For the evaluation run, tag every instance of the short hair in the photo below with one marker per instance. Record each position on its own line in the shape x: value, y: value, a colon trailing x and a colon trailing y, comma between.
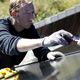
x: 14, y: 4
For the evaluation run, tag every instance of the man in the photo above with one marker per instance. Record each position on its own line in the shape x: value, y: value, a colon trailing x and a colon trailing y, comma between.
x: 18, y: 35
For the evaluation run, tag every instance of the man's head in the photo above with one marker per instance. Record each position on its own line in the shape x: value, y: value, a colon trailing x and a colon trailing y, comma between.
x: 22, y: 11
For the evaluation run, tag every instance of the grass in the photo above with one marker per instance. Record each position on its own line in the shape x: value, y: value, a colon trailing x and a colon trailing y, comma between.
x: 47, y: 8
x: 43, y: 8
x: 4, y: 8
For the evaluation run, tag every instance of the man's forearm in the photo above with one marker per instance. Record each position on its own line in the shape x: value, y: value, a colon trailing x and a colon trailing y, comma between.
x: 28, y: 44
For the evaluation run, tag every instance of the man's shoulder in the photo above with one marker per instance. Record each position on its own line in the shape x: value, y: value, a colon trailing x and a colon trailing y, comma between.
x: 4, y: 24
x: 4, y: 21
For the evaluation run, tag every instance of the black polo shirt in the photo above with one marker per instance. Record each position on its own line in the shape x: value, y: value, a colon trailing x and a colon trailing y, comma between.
x: 9, y: 55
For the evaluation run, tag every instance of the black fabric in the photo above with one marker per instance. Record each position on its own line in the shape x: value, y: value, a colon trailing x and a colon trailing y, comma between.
x: 9, y: 55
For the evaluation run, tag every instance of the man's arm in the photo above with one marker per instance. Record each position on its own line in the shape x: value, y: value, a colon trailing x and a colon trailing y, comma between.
x: 28, y: 44
x: 12, y: 45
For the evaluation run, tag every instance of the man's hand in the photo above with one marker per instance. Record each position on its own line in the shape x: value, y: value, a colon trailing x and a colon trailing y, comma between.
x: 60, y: 37
x: 56, y: 57
x: 78, y: 42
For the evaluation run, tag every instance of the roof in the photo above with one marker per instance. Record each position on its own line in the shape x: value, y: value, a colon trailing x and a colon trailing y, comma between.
x: 61, y: 15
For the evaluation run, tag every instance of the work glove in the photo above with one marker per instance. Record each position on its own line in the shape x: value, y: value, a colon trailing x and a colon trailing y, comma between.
x: 76, y: 39
x: 56, y: 57
x: 78, y: 42
x: 60, y: 37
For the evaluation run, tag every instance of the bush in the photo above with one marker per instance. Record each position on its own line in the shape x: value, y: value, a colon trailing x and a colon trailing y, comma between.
x: 43, y: 8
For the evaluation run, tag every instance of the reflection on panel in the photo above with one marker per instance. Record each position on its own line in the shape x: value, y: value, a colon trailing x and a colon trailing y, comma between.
x: 68, y: 70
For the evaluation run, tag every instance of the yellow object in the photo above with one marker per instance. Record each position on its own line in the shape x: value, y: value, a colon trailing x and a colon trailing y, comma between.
x: 8, y: 74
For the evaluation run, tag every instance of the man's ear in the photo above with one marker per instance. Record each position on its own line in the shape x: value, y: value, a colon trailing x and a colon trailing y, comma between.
x: 13, y: 13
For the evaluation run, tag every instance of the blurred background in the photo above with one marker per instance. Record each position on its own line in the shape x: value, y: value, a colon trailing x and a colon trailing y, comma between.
x: 43, y: 8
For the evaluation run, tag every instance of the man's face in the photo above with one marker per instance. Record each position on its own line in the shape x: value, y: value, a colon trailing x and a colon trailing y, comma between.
x: 25, y: 15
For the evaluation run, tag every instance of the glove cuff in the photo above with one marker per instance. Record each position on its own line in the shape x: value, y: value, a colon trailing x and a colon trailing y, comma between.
x: 48, y: 42
x: 43, y: 44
